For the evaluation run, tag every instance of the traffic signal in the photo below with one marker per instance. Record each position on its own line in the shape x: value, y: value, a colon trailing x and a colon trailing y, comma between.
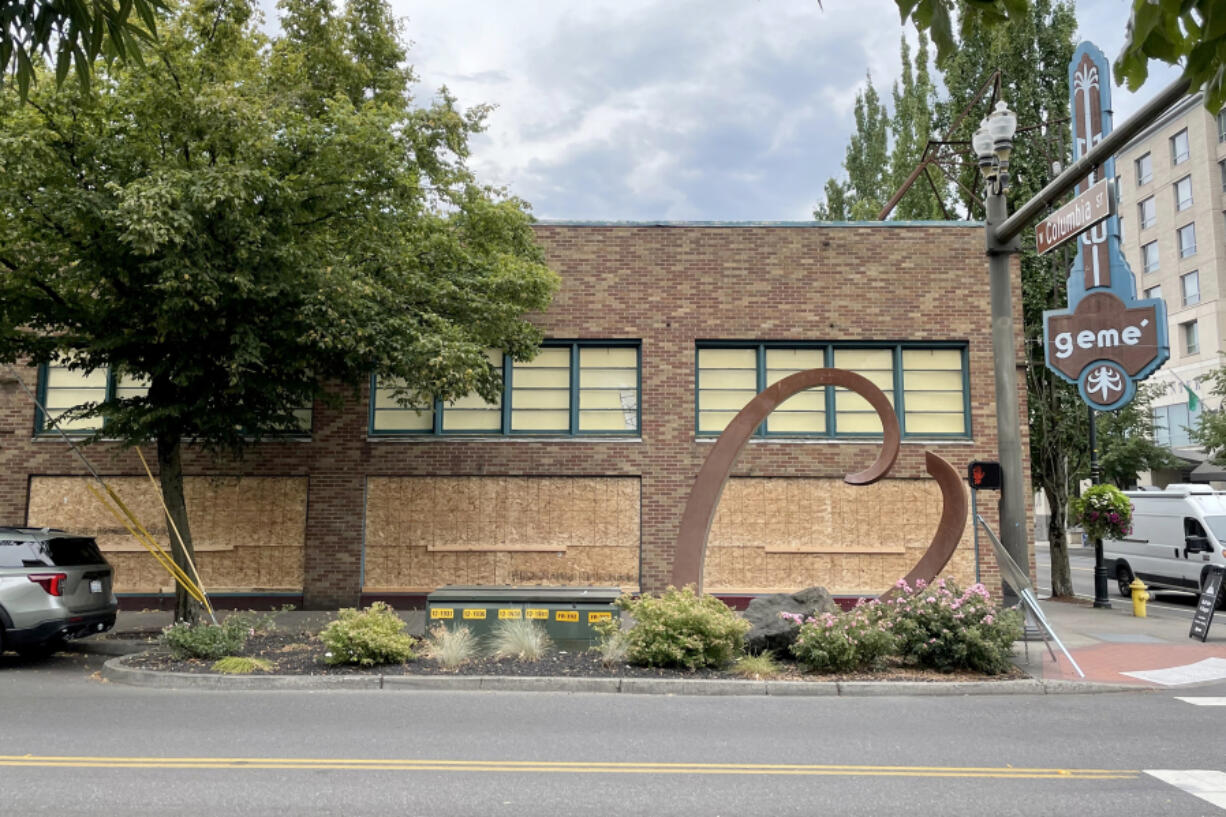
x: 984, y: 475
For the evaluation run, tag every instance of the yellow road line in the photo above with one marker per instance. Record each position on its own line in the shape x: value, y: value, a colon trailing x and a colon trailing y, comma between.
x: 555, y: 767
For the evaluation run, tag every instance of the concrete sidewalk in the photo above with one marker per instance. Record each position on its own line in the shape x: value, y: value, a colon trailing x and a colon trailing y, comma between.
x: 1109, y: 643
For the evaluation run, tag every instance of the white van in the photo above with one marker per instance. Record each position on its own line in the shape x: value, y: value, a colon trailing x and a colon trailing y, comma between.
x: 1177, y: 534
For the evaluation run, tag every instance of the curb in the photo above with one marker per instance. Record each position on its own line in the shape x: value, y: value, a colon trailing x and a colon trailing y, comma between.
x: 116, y: 671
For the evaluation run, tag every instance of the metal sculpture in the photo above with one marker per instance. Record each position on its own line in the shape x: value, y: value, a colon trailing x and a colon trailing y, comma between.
x: 709, y: 484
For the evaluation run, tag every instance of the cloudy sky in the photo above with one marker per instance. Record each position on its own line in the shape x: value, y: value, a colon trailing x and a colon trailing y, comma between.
x: 722, y: 110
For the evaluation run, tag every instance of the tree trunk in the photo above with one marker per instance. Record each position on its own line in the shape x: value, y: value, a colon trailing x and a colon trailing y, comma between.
x: 1061, y: 577
x: 170, y: 471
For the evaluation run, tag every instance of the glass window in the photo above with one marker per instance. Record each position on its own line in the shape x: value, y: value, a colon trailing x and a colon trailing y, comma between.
x: 1183, y: 193
x: 1187, y: 240
x: 1145, y: 169
x: 1171, y: 424
x: 1221, y: 125
x: 1147, y: 213
x: 568, y: 388
x: 64, y: 388
x: 933, y: 398
x: 1221, y: 166
x: 1191, y: 338
x: 1179, y: 147
x: 1190, y: 287
x: 1154, y: 292
x: 1149, y: 256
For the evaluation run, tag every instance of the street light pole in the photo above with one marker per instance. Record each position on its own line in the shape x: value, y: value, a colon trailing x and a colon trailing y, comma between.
x: 993, y: 144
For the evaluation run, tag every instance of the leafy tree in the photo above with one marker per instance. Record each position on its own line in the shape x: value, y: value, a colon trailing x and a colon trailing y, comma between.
x: 1191, y: 31
x: 247, y: 225
x: 1210, y: 429
x: 912, y: 125
x: 72, y: 34
x: 1126, y: 439
x: 867, y: 185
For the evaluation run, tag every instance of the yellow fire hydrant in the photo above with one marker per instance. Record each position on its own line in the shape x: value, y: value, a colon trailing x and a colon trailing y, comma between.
x: 1139, y: 597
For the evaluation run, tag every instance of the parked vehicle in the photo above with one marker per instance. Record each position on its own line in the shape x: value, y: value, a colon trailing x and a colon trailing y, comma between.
x: 53, y: 586
x: 1178, y: 533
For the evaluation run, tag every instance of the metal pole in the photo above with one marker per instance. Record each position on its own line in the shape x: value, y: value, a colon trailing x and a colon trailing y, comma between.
x: 1100, y: 569
x: 1008, y: 423
x: 975, y: 516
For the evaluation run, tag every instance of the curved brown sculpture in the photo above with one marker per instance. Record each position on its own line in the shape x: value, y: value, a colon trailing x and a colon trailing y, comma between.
x: 709, y: 484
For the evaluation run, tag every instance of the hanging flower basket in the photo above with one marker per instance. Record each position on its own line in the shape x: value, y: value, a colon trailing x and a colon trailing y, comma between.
x: 1104, y: 512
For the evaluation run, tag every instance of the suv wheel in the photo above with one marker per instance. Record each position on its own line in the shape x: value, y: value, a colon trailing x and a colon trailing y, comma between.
x: 43, y: 649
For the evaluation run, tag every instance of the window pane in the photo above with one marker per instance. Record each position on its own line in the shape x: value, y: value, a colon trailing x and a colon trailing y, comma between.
x: 1154, y: 292
x: 1144, y: 169
x: 68, y: 388
x: 933, y: 391
x: 1183, y: 193
x: 1148, y: 212
x: 1187, y: 240
x: 1179, y: 147
x: 803, y: 413
x: 390, y: 415
x: 1190, y: 284
x: 1191, y: 338
x: 608, y: 389
x: 1149, y: 256
x: 540, y: 391
x: 727, y: 380
x: 852, y: 412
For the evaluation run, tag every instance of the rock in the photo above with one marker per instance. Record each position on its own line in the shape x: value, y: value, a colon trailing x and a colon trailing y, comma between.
x: 769, y: 631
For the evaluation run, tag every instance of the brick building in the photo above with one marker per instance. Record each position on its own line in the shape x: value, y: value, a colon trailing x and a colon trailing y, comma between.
x: 658, y: 335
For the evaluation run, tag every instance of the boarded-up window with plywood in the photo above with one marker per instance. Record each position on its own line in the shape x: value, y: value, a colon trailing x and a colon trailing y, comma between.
x: 608, y: 388
x: 852, y: 413
x: 727, y: 380
x: 934, y: 391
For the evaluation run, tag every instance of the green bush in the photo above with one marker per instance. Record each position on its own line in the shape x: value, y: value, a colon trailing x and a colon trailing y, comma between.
x: 205, y: 639
x: 940, y: 627
x: 682, y: 629
x: 858, y: 639
x: 240, y: 665
x: 373, y: 636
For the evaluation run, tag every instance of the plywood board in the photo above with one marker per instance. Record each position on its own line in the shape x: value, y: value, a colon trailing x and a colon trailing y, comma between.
x: 783, y: 534
x: 249, y: 532
x: 425, y: 532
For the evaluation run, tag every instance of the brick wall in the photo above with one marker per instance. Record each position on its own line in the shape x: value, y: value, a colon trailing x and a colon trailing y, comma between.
x: 667, y: 286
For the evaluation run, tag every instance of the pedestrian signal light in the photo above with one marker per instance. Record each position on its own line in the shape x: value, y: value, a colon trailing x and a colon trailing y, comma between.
x: 984, y: 476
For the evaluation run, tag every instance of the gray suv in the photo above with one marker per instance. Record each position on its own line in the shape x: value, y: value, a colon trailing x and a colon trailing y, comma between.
x: 53, y: 586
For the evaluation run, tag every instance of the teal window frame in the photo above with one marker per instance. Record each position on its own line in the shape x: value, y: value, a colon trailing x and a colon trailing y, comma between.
x: 506, y: 403
x: 829, y: 348
x: 41, y: 428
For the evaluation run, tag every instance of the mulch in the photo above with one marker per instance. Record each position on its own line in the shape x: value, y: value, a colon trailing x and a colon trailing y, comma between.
x: 303, y: 654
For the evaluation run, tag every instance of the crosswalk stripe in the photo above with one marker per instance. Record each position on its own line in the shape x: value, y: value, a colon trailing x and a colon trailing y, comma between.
x: 1208, y: 785
x: 1203, y: 701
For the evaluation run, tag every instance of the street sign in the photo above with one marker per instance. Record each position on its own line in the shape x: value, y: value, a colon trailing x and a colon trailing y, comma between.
x: 1107, y: 340
x: 984, y: 476
x: 1203, y: 616
x: 1080, y: 214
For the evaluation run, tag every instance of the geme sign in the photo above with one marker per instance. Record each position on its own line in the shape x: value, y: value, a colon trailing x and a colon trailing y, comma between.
x: 1102, y: 327
x: 1080, y: 214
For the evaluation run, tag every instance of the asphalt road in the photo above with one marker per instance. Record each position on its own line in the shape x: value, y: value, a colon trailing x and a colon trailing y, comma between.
x: 1081, y: 566
x: 71, y: 744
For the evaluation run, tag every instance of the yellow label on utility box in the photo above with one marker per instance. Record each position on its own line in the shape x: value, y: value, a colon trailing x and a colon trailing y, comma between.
x: 502, y: 614
x: 474, y: 613
x: 567, y: 615
x: 442, y: 612
x: 539, y: 613
x: 599, y: 617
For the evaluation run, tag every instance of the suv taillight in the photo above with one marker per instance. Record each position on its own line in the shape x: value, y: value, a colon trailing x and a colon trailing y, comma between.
x: 51, y: 582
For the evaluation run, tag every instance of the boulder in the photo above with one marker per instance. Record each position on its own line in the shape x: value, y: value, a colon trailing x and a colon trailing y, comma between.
x: 769, y: 631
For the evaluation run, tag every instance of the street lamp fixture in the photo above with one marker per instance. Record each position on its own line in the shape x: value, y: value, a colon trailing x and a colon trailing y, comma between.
x: 993, y: 144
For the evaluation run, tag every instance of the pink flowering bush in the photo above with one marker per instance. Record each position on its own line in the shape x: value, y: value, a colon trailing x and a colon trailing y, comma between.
x: 1104, y: 512
x: 860, y: 638
x: 940, y: 627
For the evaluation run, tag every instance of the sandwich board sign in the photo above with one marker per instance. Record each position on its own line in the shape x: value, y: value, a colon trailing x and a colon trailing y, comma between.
x: 1107, y: 340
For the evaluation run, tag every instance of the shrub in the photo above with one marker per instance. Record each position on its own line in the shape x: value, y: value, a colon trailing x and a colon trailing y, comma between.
x: 373, y: 636
x: 239, y: 665
x: 682, y: 629
x: 860, y: 638
x: 520, y: 639
x: 451, y: 648
x: 943, y: 628
x: 205, y: 639
x: 1104, y: 512
x: 613, y: 646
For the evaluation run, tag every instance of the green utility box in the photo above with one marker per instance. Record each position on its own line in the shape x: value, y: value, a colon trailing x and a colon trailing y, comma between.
x: 567, y: 613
